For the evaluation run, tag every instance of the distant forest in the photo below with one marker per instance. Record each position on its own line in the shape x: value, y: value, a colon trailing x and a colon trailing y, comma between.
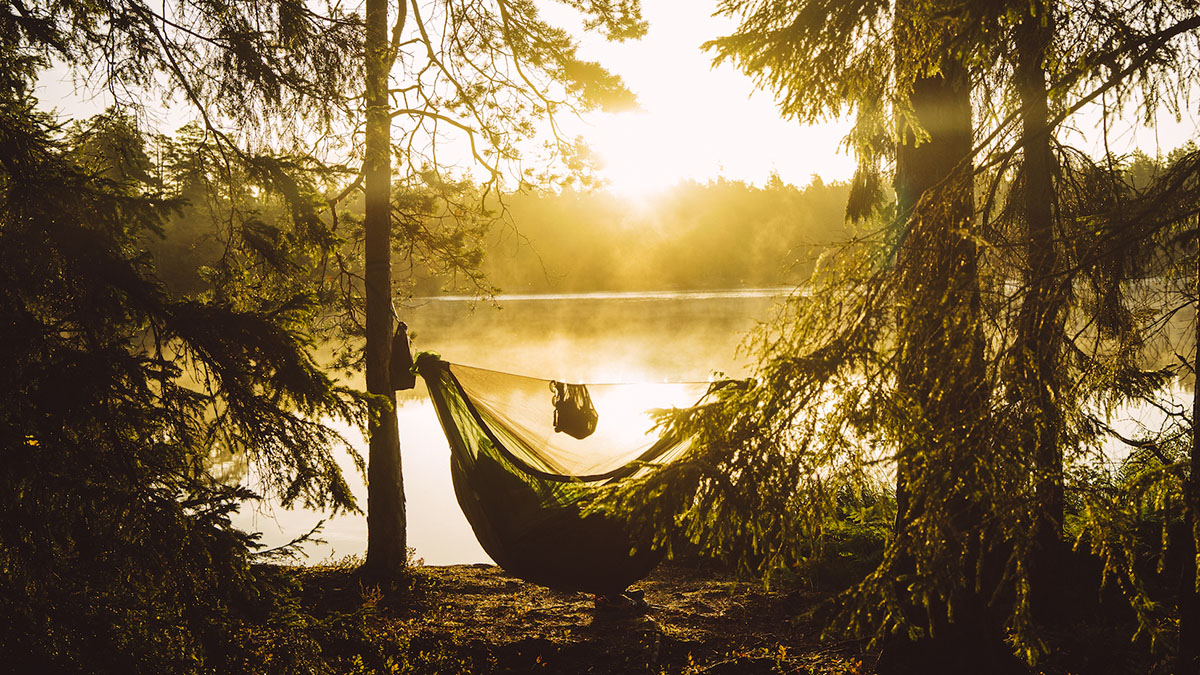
x: 719, y: 234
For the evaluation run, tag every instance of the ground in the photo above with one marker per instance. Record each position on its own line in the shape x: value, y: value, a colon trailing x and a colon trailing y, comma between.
x: 474, y: 618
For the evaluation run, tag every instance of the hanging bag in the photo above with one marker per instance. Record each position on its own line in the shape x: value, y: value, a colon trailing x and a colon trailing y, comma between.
x: 574, y: 413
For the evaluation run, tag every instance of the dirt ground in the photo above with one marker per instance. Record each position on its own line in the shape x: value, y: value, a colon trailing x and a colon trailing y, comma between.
x: 474, y: 618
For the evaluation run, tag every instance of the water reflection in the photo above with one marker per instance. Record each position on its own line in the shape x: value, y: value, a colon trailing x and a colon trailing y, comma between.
x: 612, y: 338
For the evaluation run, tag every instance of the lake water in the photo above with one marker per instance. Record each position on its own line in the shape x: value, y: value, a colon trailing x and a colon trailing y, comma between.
x: 604, y: 337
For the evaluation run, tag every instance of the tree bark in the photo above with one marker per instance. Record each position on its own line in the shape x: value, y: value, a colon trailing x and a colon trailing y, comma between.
x: 387, y: 545
x: 941, y: 372
x: 941, y: 362
x: 1188, y: 657
x: 1038, y: 343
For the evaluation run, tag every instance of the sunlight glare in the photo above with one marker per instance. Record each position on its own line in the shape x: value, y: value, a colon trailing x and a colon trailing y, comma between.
x: 641, y: 156
x: 644, y: 154
x: 696, y: 122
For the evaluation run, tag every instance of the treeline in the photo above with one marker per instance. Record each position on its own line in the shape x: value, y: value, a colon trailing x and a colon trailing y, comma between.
x: 720, y: 234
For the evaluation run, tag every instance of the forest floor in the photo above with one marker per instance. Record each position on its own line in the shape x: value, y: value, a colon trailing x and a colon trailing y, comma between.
x: 474, y: 618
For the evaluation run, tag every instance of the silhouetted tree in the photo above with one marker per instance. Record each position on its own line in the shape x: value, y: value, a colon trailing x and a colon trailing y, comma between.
x: 903, y: 348
x: 116, y: 548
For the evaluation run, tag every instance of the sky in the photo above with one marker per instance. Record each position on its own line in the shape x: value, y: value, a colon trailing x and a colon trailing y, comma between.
x: 698, y: 122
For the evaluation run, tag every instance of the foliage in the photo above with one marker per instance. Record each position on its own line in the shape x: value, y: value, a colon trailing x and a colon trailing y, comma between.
x: 465, y: 93
x: 476, y: 88
x: 828, y: 412
x: 116, y: 549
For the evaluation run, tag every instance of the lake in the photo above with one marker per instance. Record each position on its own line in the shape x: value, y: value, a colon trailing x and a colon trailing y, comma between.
x: 598, y: 337
x: 595, y: 337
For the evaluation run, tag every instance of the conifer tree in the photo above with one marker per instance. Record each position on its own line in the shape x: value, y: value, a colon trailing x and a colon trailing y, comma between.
x: 117, y: 553
x: 894, y: 354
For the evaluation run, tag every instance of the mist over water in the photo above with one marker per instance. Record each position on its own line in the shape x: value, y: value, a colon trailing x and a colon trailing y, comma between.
x: 593, y: 338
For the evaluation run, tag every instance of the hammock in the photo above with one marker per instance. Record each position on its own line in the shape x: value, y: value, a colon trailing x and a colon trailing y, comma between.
x: 526, y: 456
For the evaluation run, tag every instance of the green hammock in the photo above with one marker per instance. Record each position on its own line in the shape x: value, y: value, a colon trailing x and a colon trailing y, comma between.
x: 526, y: 456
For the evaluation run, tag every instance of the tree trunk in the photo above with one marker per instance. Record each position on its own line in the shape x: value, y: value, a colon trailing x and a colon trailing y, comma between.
x: 387, y: 545
x: 1188, y: 660
x: 1038, y: 343
x: 941, y: 360
x: 941, y: 372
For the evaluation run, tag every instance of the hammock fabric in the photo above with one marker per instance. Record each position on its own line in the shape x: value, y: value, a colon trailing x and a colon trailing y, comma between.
x: 522, y: 479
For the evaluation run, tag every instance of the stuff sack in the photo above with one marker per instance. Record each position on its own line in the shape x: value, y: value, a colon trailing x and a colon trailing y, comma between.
x: 574, y: 413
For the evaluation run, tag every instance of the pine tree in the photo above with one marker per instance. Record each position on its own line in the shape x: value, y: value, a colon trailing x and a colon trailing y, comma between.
x: 116, y: 547
x: 936, y: 338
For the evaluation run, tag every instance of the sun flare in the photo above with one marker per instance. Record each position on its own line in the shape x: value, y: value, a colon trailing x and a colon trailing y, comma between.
x: 643, y: 153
